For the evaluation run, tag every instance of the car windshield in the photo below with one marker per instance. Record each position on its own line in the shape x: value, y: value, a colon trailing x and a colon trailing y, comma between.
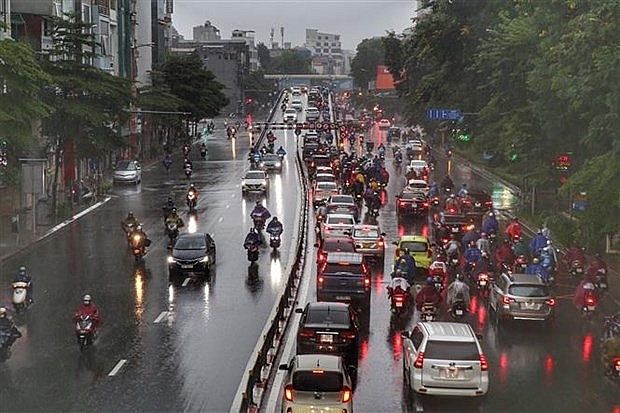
x: 317, y: 381
x: 366, y: 233
x: 334, y: 268
x: 254, y: 175
x: 414, y: 246
x: 530, y: 291
x: 190, y: 243
x: 327, y: 316
x: 451, y: 350
x: 412, y: 195
x: 326, y: 186
x: 348, y: 220
x: 338, y: 246
x: 126, y: 166
x: 342, y: 200
x: 271, y: 157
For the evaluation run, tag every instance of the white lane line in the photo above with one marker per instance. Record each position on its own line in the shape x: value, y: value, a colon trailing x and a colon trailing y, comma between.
x: 185, y: 282
x: 118, y: 366
x: 220, y: 220
x: 160, y: 317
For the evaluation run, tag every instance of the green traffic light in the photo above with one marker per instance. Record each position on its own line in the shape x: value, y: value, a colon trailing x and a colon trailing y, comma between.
x: 514, y: 156
x: 465, y: 137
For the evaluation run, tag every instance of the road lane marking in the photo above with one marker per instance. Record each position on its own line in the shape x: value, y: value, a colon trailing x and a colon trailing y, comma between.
x: 160, y: 317
x: 118, y: 366
x: 220, y: 220
x: 185, y: 282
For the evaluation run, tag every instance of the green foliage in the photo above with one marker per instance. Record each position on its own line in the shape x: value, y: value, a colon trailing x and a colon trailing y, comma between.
x: 291, y: 62
x: 264, y: 57
x: 370, y: 53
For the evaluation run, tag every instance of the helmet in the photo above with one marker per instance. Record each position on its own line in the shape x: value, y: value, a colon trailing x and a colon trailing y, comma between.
x: 464, y: 185
x: 174, y: 210
x: 274, y: 219
x: 484, y: 254
x: 139, y: 227
x: 452, y: 196
x: 535, y: 260
x: 3, y: 312
x: 86, y: 299
x: 170, y: 199
x: 406, y: 250
x: 483, y: 234
x: 130, y: 214
x: 472, y: 243
x: 258, y: 203
x: 429, y: 280
x: 459, y: 276
x: 22, y: 270
x: 491, y: 214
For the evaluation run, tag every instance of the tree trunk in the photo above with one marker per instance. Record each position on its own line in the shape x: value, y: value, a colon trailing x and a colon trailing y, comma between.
x: 58, y: 154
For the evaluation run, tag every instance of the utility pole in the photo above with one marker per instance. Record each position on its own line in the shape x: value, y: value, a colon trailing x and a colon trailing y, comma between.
x: 133, y: 141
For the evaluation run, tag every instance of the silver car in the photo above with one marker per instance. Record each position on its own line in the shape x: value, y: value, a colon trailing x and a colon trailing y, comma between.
x: 317, y: 383
x: 128, y: 171
x: 271, y: 162
x: 370, y: 241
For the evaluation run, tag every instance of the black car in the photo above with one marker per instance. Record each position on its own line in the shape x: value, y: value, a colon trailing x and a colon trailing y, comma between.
x: 450, y: 224
x: 477, y: 201
x: 329, y: 328
x: 193, y: 253
x: 412, y: 203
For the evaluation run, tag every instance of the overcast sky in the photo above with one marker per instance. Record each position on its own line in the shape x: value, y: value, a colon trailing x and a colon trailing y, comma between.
x: 354, y: 20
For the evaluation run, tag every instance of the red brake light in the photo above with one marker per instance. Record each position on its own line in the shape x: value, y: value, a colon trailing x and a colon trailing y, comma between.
x: 484, y: 364
x: 321, y: 280
x: 616, y: 361
x: 397, y: 252
x: 380, y: 243
x: 348, y: 335
x: 402, y: 203
x: 288, y: 392
x: 346, y: 394
x: 366, y: 282
x: 590, y: 300
x: 419, y: 361
x: 506, y: 299
x: 305, y: 333
x: 399, y: 298
x: 483, y: 276
x: 550, y: 301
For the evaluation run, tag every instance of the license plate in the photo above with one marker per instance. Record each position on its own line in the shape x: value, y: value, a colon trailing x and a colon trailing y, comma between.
x: 603, y: 285
x: 591, y: 308
x: 617, y: 367
x: 327, y: 338
x: 399, y: 304
x: 450, y: 373
x: 477, y: 204
x: 455, y: 230
x: 483, y: 283
x: 343, y: 297
x: 367, y: 245
x: 459, y: 312
x: 579, y: 270
x: 530, y: 306
x: 187, y: 266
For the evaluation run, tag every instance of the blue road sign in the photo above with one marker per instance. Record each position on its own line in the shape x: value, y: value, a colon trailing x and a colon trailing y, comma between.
x: 443, y: 114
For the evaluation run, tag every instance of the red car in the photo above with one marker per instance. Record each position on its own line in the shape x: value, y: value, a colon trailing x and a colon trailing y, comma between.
x: 333, y: 244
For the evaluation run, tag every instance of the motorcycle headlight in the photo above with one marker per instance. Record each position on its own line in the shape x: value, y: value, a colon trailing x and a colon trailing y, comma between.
x: 278, y: 164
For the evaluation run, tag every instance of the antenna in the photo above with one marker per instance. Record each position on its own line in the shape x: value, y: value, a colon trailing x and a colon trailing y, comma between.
x: 271, y: 36
x: 282, y: 35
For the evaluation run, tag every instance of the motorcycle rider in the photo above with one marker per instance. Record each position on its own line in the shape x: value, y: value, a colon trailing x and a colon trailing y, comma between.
x: 490, y: 224
x: 504, y: 255
x: 253, y: 238
x: 453, y: 248
x: 585, y: 286
x: 88, y: 308
x: 483, y: 244
x: 470, y: 235
x: 129, y: 223
x: 457, y: 289
x: 433, y: 190
x: 398, y: 285
x: 472, y: 255
x: 428, y: 294
x: 281, y: 152
x: 536, y: 268
x: 575, y: 253
x: 23, y: 276
x: 374, y: 203
x: 173, y: 218
x: 519, y: 247
x: 463, y: 192
x: 145, y: 241
x: 190, y: 190
x: 275, y: 227
x: 596, y: 265
x: 537, y: 243
x: 8, y: 326
x: 610, y: 350
x: 260, y: 211
x: 447, y: 182
x: 514, y: 230
x: 407, y: 264
x: 168, y: 207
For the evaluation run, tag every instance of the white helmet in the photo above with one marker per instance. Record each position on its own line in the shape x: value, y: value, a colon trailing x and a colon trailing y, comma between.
x: 86, y: 298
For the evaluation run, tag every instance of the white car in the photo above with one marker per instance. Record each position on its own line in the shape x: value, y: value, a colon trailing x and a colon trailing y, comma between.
x: 444, y: 359
x: 290, y: 115
x: 312, y: 114
x: 418, y: 165
x: 316, y: 383
x: 384, y: 124
x: 255, y: 180
x: 418, y: 185
x: 322, y: 191
x: 296, y: 104
x: 337, y: 225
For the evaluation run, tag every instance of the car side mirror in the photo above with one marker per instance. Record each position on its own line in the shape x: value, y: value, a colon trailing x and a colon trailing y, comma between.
x: 479, y: 336
x: 383, y: 234
x: 283, y: 367
x: 405, y: 334
x: 316, y: 245
x: 299, y: 310
x: 395, y: 243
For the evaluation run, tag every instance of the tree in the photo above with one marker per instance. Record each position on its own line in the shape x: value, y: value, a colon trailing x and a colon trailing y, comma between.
x: 370, y: 53
x: 89, y: 104
x: 291, y: 62
x: 22, y: 79
x: 264, y: 57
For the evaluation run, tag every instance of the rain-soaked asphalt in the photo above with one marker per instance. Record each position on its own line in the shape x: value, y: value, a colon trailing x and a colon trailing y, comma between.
x: 531, y: 369
x: 160, y: 348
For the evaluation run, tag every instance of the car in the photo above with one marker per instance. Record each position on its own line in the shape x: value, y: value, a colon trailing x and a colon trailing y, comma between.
x: 255, y: 180
x: 515, y: 296
x: 271, y: 162
x: 370, y: 241
x: 192, y: 253
x: 420, y: 166
x: 327, y: 327
x: 296, y: 104
x: 384, y: 124
x: 321, y: 169
x: 295, y: 91
x: 324, y: 177
x: 312, y: 114
x: 477, y: 201
x: 337, y: 224
x: 445, y: 225
x: 333, y: 243
x: 311, y: 136
x: 444, y: 359
x: 393, y: 134
x: 419, y: 248
x: 412, y: 203
x: 322, y: 191
x: 127, y: 171
x: 316, y: 382
x: 290, y: 115
x: 344, y: 277
x: 419, y: 185
x: 341, y: 204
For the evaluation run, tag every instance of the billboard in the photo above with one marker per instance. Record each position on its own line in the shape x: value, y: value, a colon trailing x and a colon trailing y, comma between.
x: 384, y: 79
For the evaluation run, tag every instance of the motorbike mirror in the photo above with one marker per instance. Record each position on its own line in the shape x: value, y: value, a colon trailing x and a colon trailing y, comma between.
x: 405, y: 334
x: 383, y: 234
x: 283, y: 367
x: 394, y: 242
x: 299, y: 310
x: 316, y: 245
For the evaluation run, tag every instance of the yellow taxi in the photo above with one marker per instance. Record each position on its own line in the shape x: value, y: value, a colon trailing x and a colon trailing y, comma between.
x: 419, y: 248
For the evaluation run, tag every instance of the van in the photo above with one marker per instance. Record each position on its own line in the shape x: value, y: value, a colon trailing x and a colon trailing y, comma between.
x: 344, y: 277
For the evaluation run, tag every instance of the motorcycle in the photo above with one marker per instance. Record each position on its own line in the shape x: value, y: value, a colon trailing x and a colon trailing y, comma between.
x: 275, y: 241
x: 428, y: 312
x: 173, y: 232
x: 398, y: 158
x: 252, y: 253
x: 575, y: 269
x: 188, y: 172
x: 84, y: 331
x: 373, y: 212
x: 492, y: 237
x: 186, y: 149
x: 483, y: 283
x: 520, y: 264
x: 614, y: 368
x: 435, y: 201
x: 458, y: 309
x: 20, y: 292
x: 203, y: 152
x: 589, y: 302
x: 438, y: 283
x: 167, y: 163
x: 138, y: 247
x: 600, y: 279
x: 191, y: 201
x: 399, y: 302
x: 259, y: 222
x: 5, y: 348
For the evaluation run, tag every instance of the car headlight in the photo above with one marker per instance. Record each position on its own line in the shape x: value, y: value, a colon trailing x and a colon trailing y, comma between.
x: 262, y: 164
x: 205, y: 259
x: 170, y: 260
x: 278, y: 164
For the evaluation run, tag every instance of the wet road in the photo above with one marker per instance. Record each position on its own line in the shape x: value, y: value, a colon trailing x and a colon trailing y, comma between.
x: 160, y: 347
x: 530, y: 369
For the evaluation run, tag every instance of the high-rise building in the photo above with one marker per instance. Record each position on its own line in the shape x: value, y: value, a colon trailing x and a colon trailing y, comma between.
x: 326, y: 48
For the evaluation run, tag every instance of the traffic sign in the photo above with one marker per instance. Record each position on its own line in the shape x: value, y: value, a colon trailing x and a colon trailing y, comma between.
x: 443, y: 114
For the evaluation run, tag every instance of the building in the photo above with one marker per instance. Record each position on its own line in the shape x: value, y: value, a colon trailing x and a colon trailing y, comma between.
x: 327, y: 55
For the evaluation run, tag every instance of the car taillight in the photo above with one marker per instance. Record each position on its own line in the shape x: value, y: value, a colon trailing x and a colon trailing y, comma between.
x: 399, y: 298
x: 419, y: 361
x: 506, y: 299
x: 321, y: 280
x: 397, y: 252
x: 590, y: 300
x: 425, y: 204
x: 381, y: 243
x: 305, y: 333
x: 402, y: 203
x: 488, y: 203
x: 288, y: 392
x: 346, y: 394
x: 348, y: 335
x: 366, y: 282
x: 484, y: 364
x: 550, y: 301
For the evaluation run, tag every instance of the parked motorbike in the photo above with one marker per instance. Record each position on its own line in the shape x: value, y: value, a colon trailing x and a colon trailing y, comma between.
x: 428, y: 312
x: 20, y: 292
x: 84, y: 331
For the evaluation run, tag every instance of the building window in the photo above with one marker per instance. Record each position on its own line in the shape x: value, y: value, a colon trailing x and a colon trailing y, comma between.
x: 337, y: 37
x: 325, y: 50
x: 326, y: 44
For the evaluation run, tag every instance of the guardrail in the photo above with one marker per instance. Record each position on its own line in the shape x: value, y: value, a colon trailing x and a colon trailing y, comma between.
x: 271, y: 339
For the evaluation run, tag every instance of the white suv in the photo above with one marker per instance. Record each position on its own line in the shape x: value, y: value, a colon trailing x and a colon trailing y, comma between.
x: 444, y: 359
x: 254, y: 181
